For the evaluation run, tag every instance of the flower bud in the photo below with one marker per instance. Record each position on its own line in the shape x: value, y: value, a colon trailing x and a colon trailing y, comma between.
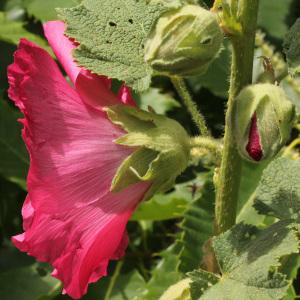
x: 184, y: 42
x: 161, y: 149
x: 263, y: 119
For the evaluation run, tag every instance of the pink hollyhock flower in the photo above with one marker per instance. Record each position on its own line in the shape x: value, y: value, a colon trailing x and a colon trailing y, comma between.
x: 70, y: 217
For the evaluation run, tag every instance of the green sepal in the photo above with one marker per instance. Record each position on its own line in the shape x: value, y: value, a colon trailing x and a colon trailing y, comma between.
x: 161, y: 145
x: 184, y: 42
x: 275, y: 115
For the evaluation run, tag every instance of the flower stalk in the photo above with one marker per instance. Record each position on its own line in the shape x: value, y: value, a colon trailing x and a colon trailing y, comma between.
x: 241, y: 75
x: 186, y: 97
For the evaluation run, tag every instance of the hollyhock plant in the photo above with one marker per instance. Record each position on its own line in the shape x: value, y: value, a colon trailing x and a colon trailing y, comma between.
x: 71, y: 219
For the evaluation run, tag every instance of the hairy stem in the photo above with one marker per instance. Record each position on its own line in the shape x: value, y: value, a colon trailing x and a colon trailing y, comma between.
x: 183, y: 92
x: 241, y: 75
x: 206, y: 143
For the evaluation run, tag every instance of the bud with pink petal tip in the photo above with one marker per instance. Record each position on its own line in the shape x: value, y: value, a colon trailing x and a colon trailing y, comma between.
x: 262, y: 120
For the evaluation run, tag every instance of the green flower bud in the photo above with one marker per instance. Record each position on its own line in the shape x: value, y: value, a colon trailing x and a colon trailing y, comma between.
x: 184, y: 42
x: 263, y: 119
x: 161, y: 149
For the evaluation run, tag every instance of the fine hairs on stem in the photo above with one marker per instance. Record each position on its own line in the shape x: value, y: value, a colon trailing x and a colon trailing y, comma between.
x: 186, y: 97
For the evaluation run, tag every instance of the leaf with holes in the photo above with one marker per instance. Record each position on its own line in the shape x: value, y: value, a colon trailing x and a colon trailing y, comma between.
x: 112, y: 36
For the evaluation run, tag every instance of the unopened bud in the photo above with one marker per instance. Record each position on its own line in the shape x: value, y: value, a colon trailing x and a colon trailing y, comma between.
x: 263, y: 119
x: 184, y: 42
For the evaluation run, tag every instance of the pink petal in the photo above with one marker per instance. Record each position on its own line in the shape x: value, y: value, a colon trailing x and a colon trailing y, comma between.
x: 91, y: 87
x: 253, y: 147
x: 62, y: 47
x: 71, y: 219
x: 125, y: 95
x: 93, y: 90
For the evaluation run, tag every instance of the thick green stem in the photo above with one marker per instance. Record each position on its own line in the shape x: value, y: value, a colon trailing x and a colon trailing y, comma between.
x: 241, y: 75
x: 183, y: 92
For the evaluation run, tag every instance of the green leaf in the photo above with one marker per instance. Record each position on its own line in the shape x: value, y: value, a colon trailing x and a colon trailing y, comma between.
x: 128, y: 286
x: 160, y: 207
x: 46, y: 11
x: 256, y: 263
x: 197, y: 228
x: 201, y: 280
x: 248, y: 258
x: 291, y: 86
x: 160, y: 102
x: 272, y: 16
x: 251, y: 175
x: 178, y: 291
x: 14, y: 159
x: 12, y: 31
x: 291, y: 47
x: 166, y: 206
x: 27, y: 283
x: 163, y: 275
x: 278, y: 194
x: 216, y: 79
x: 112, y: 36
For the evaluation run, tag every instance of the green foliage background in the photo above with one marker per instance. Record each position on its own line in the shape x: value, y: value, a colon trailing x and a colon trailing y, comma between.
x: 168, y: 232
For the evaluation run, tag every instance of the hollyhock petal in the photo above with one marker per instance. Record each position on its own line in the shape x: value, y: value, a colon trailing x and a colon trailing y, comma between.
x: 91, y: 87
x: 125, y: 95
x: 253, y: 147
x: 62, y: 47
x: 71, y: 219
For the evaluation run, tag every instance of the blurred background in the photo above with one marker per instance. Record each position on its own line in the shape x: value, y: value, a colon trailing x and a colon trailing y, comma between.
x: 162, y: 230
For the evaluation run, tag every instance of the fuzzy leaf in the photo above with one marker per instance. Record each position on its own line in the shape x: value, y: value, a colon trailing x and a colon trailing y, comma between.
x: 278, y: 193
x: 251, y: 175
x: 201, y: 280
x: 112, y: 36
x: 291, y: 47
x: 248, y: 258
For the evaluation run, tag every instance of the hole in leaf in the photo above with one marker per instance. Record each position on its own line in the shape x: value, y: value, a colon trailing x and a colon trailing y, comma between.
x: 130, y: 21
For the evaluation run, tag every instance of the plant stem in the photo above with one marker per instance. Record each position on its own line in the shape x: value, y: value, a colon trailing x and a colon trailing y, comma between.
x: 113, y: 280
x: 241, y: 75
x: 185, y: 95
x: 208, y: 143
